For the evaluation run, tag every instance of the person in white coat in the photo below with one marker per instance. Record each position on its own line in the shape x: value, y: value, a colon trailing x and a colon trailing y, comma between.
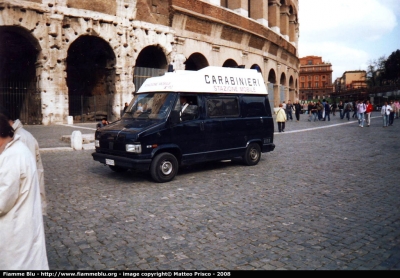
x: 22, y: 238
x: 385, y: 112
x: 33, y: 146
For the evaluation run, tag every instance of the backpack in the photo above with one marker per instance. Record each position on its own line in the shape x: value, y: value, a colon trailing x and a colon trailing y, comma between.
x: 348, y: 106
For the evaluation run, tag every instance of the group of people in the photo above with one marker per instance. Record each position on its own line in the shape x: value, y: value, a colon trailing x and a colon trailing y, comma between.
x: 22, y: 198
x: 320, y: 111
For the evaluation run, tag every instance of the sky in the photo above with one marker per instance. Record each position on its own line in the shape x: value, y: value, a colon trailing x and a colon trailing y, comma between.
x: 349, y: 34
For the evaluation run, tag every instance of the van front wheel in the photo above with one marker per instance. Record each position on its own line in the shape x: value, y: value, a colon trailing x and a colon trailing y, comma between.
x: 164, y: 167
x: 252, y: 155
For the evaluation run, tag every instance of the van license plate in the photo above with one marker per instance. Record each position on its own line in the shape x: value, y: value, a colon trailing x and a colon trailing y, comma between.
x: 110, y: 162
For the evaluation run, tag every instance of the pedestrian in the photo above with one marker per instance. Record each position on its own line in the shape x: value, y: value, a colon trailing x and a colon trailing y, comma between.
x: 361, y: 108
x: 22, y: 238
x: 103, y: 123
x: 385, y: 112
x: 391, y: 115
x: 354, y: 103
x: 314, y: 112
x: 396, y: 108
x: 341, y: 109
x: 310, y: 107
x: 319, y: 110
x: 289, y: 109
x: 126, y: 106
x: 347, y: 109
x: 297, y: 110
x: 32, y: 144
x: 323, y: 109
x: 281, y: 118
x: 368, y: 111
x: 334, y: 107
x: 327, y: 111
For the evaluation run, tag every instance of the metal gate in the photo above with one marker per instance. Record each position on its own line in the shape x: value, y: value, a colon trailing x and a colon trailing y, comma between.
x: 22, y: 99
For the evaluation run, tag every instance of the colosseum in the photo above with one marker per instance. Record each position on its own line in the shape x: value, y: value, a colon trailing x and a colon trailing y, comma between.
x: 86, y: 58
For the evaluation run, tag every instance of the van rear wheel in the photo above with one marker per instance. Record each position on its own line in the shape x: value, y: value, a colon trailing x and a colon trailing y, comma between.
x: 252, y: 155
x: 164, y: 167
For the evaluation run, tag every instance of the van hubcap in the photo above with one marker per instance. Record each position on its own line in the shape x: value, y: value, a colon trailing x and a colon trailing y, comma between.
x: 166, y: 167
x: 253, y: 154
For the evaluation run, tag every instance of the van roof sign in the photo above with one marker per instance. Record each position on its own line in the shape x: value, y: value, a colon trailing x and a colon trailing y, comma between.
x: 208, y: 80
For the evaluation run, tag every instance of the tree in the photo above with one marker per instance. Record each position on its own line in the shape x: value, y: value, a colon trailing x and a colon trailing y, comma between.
x: 392, y: 68
x: 375, y: 71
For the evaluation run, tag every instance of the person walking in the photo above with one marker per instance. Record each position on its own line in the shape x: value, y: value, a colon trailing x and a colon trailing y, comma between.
x: 281, y: 118
x: 385, y: 112
x: 327, y: 111
x: 297, y: 110
x: 341, y: 109
x: 319, y: 110
x: 334, y: 107
x: 391, y: 115
x: 289, y: 109
x: 347, y: 109
x: 22, y: 238
x: 354, y: 109
x: 310, y: 108
x: 368, y: 111
x: 360, y: 113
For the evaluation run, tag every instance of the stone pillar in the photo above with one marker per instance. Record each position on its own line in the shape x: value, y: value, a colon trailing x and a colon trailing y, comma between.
x: 292, y: 28
x: 239, y: 6
x: 259, y: 11
x: 274, y: 15
x: 284, y: 21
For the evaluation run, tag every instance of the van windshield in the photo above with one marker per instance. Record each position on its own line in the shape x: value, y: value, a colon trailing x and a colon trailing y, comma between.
x: 150, y: 106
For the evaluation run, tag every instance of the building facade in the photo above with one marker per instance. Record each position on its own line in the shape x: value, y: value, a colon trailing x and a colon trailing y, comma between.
x: 315, y: 78
x: 85, y: 58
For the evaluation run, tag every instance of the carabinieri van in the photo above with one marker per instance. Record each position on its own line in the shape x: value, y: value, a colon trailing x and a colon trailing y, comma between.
x: 187, y: 117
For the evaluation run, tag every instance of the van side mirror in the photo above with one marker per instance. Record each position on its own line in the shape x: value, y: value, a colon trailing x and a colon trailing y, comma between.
x: 174, y: 117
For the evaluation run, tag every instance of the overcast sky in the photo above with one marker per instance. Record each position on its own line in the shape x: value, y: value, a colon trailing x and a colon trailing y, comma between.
x: 349, y: 33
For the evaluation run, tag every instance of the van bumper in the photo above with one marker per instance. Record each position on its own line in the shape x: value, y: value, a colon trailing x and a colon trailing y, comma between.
x: 268, y: 148
x: 139, y: 164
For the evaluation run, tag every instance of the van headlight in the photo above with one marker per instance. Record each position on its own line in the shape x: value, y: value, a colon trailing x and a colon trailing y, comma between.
x: 97, y: 143
x: 133, y: 148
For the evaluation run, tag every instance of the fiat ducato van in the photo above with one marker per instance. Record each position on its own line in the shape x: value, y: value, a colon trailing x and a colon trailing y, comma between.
x: 187, y: 117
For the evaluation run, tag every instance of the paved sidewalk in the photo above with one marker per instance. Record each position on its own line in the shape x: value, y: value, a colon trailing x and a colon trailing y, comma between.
x: 327, y: 198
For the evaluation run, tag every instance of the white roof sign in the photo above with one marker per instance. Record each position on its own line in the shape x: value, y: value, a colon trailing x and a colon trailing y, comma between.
x: 208, y: 80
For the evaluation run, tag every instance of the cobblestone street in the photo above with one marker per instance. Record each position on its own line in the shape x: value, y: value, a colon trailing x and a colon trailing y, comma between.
x: 327, y: 198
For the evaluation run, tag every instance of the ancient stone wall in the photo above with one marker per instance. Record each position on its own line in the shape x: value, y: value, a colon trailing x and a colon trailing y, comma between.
x: 179, y: 28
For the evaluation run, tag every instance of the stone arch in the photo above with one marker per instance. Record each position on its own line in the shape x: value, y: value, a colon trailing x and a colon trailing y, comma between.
x: 272, y: 76
x: 256, y: 67
x: 272, y: 89
x: 282, y: 80
x: 230, y: 63
x: 19, y: 52
x: 196, y: 61
x: 291, y: 82
x: 90, y: 78
x: 151, y: 61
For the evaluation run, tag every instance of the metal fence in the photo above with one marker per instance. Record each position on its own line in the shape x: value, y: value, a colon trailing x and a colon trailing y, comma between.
x: 22, y: 100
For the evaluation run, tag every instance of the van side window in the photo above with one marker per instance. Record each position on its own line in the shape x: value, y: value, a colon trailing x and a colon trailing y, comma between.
x: 222, y: 107
x: 254, y: 106
x: 188, y: 110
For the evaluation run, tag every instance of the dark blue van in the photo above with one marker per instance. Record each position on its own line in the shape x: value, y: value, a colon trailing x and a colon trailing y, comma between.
x: 187, y: 117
